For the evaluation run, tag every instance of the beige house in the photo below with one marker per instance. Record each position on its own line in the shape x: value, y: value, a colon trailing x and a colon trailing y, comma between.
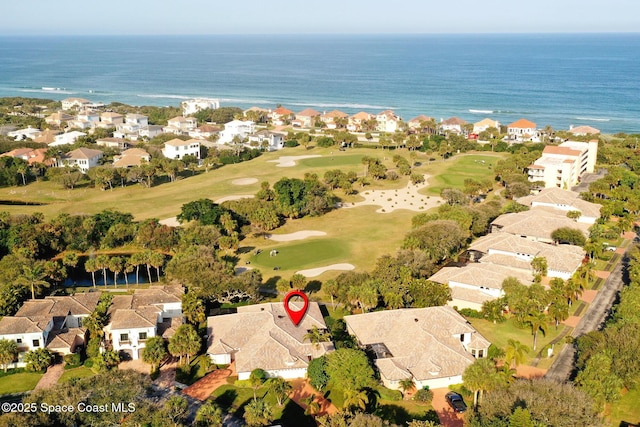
x: 583, y: 130
x: 181, y: 125
x: 433, y: 346
x: 563, y: 201
x: 280, y: 116
x: 332, y: 118
x: 357, y: 121
x: 130, y: 158
x: 83, y: 158
x: 75, y: 103
x: 485, y: 124
x: 562, y: 166
x: 452, y: 124
x: 536, y: 224
x: 110, y: 119
x: 417, y: 122
x: 58, y: 119
x: 117, y: 143
x: 306, y: 118
x: 263, y: 336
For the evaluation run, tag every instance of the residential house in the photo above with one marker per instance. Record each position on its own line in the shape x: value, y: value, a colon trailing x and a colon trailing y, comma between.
x: 85, y: 119
x: 145, y: 314
x: 485, y: 124
x: 267, y: 139
x: 584, y: 131
x: 475, y: 283
x: 517, y: 252
x: 110, y: 119
x: 54, y: 322
x: 47, y: 136
x: 564, y: 165
x: 131, y: 157
x: 236, y: 128
x: 357, y: 122
x: 564, y: 201
x: 31, y: 155
x: 281, y: 116
x: 418, y: 124
x: 192, y: 106
x: 117, y: 143
x: 431, y: 346
x: 388, y: 121
x: 22, y: 134
x: 536, y: 224
x: 452, y: 124
x: 523, y: 130
x: 66, y: 138
x: 58, y: 119
x: 262, y: 336
x: 18, y: 153
x: 332, y: 119
x: 131, y: 127
x: 148, y: 132
x: 177, y: 148
x: 181, y: 125
x: 306, y: 118
x: 84, y: 158
x: 205, y: 132
x: 75, y: 103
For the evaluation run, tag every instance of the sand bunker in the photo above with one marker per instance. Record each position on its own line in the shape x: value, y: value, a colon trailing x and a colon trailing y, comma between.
x: 298, y: 235
x: 290, y: 161
x: 236, y: 197
x: 244, y: 181
x: 402, y: 198
x: 313, y: 272
x: 171, y: 222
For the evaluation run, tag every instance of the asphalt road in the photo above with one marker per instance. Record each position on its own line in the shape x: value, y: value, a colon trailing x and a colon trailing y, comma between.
x: 563, y: 367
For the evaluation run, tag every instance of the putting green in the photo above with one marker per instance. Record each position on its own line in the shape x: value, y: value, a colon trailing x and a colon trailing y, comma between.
x: 296, y: 256
x: 457, y: 169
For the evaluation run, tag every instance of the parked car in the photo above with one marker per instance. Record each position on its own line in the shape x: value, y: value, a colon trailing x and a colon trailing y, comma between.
x: 611, y: 248
x: 456, y: 402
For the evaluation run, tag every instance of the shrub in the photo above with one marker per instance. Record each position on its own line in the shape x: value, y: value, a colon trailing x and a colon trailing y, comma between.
x: 291, y: 143
x: 72, y: 360
x: 392, y: 176
x: 469, y: 312
x: 424, y: 395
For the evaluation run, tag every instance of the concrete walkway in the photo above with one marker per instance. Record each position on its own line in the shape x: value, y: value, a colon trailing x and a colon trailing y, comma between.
x: 203, y: 388
x: 51, y: 377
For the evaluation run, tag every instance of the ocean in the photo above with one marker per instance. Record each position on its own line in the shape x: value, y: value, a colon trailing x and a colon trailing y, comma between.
x: 552, y: 79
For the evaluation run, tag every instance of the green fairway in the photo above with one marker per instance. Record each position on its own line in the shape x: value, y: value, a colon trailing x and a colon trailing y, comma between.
x: 317, y: 252
x: 17, y: 383
x: 452, y: 173
x: 338, y: 159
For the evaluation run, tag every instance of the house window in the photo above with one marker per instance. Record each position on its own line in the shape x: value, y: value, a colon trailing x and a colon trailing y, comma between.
x: 36, y: 343
x: 142, y: 336
x: 480, y: 353
x: 124, y: 337
x: 461, y: 337
x: 19, y: 341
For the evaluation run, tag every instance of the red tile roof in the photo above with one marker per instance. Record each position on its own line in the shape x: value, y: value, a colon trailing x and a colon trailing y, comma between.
x: 308, y: 112
x: 522, y: 124
x: 281, y: 111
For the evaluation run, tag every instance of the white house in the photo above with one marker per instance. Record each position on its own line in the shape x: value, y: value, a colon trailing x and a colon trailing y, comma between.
x: 452, y: 124
x: 117, y: 143
x: 431, y: 346
x: 110, y: 119
x: 564, y: 201
x: 239, y: 128
x: 358, y: 120
x: 562, y: 166
x: 22, y: 134
x: 262, y: 336
x: 523, y: 130
x: 388, y: 121
x: 267, y: 140
x: 192, y: 106
x: 82, y: 157
x: 181, y: 125
x: 75, y: 103
x: 66, y: 138
x: 177, y: 148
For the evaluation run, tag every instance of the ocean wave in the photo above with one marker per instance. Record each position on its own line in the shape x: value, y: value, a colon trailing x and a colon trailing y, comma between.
x: 340, y: 105
x: 48, y: 90
x: 248, y: 101
x: 164, y: 96
x: 481, y: 111
x: 593, y: 119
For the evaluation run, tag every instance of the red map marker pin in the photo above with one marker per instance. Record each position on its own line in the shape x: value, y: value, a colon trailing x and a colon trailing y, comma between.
x: 296, y: 316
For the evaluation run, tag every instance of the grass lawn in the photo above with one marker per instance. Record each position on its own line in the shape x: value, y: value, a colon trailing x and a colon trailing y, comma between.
x: 197, y: 368
x: 338, y: 160
x: 80, y: 372
x: 500, y: 333
x: 19, y: 382
x: 233, y: 399
x: 451, y: 173
x: 626, y: 409
x: 307, y: 253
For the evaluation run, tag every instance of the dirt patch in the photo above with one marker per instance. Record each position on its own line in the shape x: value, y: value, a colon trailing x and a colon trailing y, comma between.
x: 135, y: 365
x: 298, y: 235
x: 170, y: 222
x: 302, y: 390
x: 525, y: 371
x: 235, y: 197
x: 290, y: 161
x: 572, y: 321
x: 602, y: 274
x: 313, y: 272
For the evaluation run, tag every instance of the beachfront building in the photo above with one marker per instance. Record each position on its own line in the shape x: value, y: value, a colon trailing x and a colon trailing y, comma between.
x: 267, y: 140
x: 485, y: 124
x: 523, y: 130
x: 130, y: 158
x: 452, y: 124
x: 335, y: 119
x: 422, y: 123
x: 205, y: 132
x: 306, y: 118
x: 562, y: 166
x: 262, y: 336
x: 75, y: 103
x: 563, y: 201
x: 192, y: 106
x: 132, y: 127
x: 85, y: 119
x: 584, y: 131
x: 177, y: 148
x: 431, y: 346
x: 236, y: 128
x: 22, y: 134
x: 388, y: 121
x: 66, y: 138
x: 357, y: 122
x: 58, y: 119
x: 180, y: 125
x: 109, y: 119
x: 281, y: 116
x: 117, y: 143
x: 84, y: 158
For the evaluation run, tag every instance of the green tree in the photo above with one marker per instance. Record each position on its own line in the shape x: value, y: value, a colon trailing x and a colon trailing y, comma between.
x: 256, y: 378
x: 116, y: 264
x: 154, y: 352
x: 209, y: 415
x: 258, y: 413
x: 176, y: 409
x: 90, y: 266
x: 102, y: 262
x: 538, y: 323
x: 599, y: 381
x: 349, y: 369
x: 107, y: 360
x: 355, y: 399
x: 38, y: 360
x: 32, y: 277
x: 315, y: 336
x: 521, y: 417
x: 407, y: 385
x: 8, y: 353
x: 317, y: 373
x: 479, y: 377
x: 193, y: 308
x: 185, y: 343
x: 515, y: 353
x: 569, y: 235
x: 280, y: 388
x: 539, y: 265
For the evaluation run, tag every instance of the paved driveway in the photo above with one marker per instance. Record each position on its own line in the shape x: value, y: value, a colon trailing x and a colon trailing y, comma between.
x: 203, y: 388
x: 448, y: 418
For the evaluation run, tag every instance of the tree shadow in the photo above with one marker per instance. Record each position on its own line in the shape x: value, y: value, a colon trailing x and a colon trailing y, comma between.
x: 313, y: 286
x: 394, y: 413
x: 225, y: 400
x: 271, y: 282
x: 231, y: 259
x: 245, y: 249
x: 293, y: 415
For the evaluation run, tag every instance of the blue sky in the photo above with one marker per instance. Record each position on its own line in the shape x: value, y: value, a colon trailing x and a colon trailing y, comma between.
x: 42, y: 17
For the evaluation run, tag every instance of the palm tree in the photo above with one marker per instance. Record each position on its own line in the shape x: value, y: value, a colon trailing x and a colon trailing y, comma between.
x: 407, y: 385
x: 33, y: 276
x: 515, y: 353
x: 102, y: 262
x: 137, y: 259
x: 315, y: 336
x: 91, y: 266
x: 573, y: 289
x: 312, y: 405
x: 116, y: 264
x: 127, y: 268
x: 209, y: 415
x: 538, y: 323
x: 479, y: 377
x: 256, y: 378
x: 280, y: 388
x: 355, y: 399
x: 258, y: 413
x: 156, y: 259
